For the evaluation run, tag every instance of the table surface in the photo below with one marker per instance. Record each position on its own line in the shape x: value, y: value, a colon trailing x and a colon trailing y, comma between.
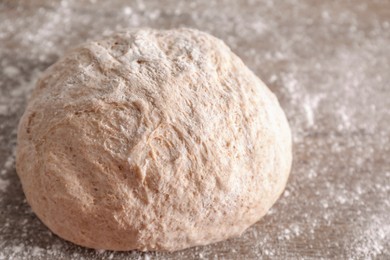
x: 327, y: 61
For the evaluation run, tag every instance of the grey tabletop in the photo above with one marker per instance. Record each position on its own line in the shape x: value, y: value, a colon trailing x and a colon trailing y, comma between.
x: 327, y: 61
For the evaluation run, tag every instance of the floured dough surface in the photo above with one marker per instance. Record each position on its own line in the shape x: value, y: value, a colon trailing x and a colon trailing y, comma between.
x: 152, y: 140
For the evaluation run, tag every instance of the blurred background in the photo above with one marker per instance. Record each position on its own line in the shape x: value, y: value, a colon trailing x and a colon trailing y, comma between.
x: 327, y: 61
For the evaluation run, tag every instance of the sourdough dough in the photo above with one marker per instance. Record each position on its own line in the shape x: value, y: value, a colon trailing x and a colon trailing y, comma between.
x: 152, y: 140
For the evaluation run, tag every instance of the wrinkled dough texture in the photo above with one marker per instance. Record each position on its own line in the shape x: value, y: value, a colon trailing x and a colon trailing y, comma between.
x: 152, y: 140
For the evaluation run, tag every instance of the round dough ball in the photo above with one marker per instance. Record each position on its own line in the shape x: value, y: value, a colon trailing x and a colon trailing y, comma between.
x: 152, y: 140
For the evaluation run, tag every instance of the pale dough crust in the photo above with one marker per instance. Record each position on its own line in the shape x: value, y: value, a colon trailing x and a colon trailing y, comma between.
x: 152, y: 140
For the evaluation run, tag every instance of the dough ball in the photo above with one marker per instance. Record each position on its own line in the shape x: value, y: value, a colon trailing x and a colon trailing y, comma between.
x: 152, y: 140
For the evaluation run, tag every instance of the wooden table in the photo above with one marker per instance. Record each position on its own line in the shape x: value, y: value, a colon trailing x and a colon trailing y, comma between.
x: 327, y: 61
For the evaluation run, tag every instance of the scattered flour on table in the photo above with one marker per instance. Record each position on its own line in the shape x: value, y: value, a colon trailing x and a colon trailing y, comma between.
x: 376, y: 235
x: 4, y: 185
x: 11, y: 71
